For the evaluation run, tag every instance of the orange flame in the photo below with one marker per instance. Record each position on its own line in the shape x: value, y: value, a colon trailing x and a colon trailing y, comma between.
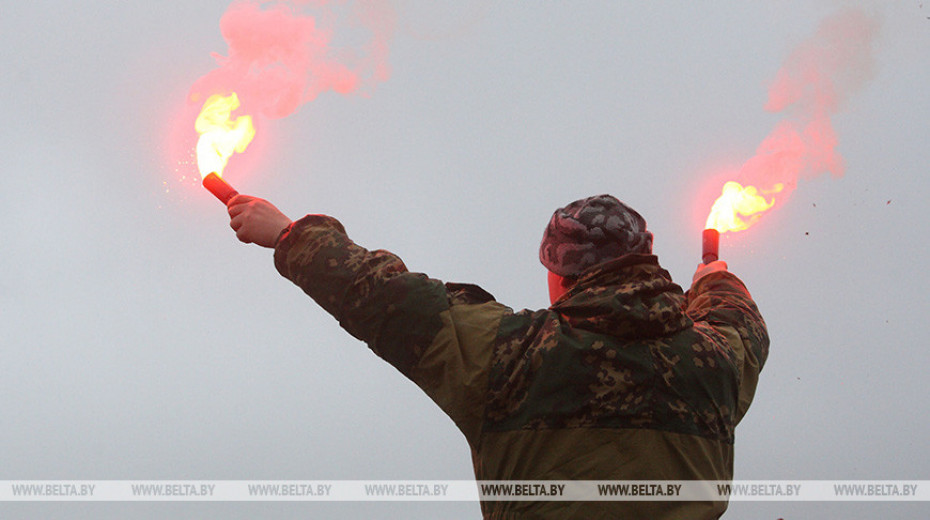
x: 221, y: 136
x: 739, y: 207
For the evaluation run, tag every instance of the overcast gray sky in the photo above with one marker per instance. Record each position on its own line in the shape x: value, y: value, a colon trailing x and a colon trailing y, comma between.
x: 140, y: 340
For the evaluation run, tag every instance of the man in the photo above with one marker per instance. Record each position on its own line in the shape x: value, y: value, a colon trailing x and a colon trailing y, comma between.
x: 624, y: 377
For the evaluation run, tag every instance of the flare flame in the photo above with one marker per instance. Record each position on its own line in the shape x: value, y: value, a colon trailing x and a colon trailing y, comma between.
x: 739, y: 207
x: 220, y: 134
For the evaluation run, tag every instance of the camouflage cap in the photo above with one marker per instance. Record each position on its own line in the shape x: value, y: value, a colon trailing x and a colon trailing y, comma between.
x: 591, y: 231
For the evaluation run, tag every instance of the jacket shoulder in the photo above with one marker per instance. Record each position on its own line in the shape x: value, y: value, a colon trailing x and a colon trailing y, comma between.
x: 466, y: 293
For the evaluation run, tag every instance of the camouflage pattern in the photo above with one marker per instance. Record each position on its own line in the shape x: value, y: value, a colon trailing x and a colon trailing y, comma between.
x: 617, y: 351
x: 371, y: 293
x: 592, y: 231
x: 624, y: 378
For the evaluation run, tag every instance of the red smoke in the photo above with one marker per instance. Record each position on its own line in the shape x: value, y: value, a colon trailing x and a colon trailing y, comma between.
x: 812, y: 85
x: 285, y: 53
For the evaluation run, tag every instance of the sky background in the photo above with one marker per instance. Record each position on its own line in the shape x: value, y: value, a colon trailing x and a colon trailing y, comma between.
x: 140, y: 340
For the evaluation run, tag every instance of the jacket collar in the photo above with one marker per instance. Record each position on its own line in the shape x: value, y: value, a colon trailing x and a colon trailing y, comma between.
x: 629, y: 297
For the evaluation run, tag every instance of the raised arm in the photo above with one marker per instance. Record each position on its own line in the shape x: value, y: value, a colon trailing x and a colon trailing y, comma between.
x: 719, y: 299
x: 440, y: 336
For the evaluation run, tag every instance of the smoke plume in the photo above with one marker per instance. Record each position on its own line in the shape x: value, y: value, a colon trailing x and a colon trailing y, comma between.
x: 283, y: 54
x: 812, y: 85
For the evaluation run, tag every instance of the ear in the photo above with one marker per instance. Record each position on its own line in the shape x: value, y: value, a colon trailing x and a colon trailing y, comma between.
x: 558, y: 285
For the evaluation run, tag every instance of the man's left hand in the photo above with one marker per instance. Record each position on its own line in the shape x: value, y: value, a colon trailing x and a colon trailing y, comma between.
x: 256, y: 221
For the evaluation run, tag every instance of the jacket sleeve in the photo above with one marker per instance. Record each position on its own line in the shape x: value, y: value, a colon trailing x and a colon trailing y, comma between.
x: 439, y: 336
x: 722, y: 302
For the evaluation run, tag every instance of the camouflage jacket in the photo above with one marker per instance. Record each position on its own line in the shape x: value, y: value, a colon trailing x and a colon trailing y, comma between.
x: 624, y: 378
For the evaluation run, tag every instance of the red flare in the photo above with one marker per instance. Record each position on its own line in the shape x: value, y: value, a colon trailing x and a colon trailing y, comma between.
x: 711, y: 246
x: 219, y: 188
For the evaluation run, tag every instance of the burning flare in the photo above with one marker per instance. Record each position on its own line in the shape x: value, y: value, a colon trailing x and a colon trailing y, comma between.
x: 221, y: 136
x: 739, y: 207
x: 812, y: 85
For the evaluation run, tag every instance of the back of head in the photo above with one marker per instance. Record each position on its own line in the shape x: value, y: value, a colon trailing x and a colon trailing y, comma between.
x: 592, y: 231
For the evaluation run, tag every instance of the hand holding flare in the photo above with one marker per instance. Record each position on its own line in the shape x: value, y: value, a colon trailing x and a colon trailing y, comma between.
x: 256, y: 221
